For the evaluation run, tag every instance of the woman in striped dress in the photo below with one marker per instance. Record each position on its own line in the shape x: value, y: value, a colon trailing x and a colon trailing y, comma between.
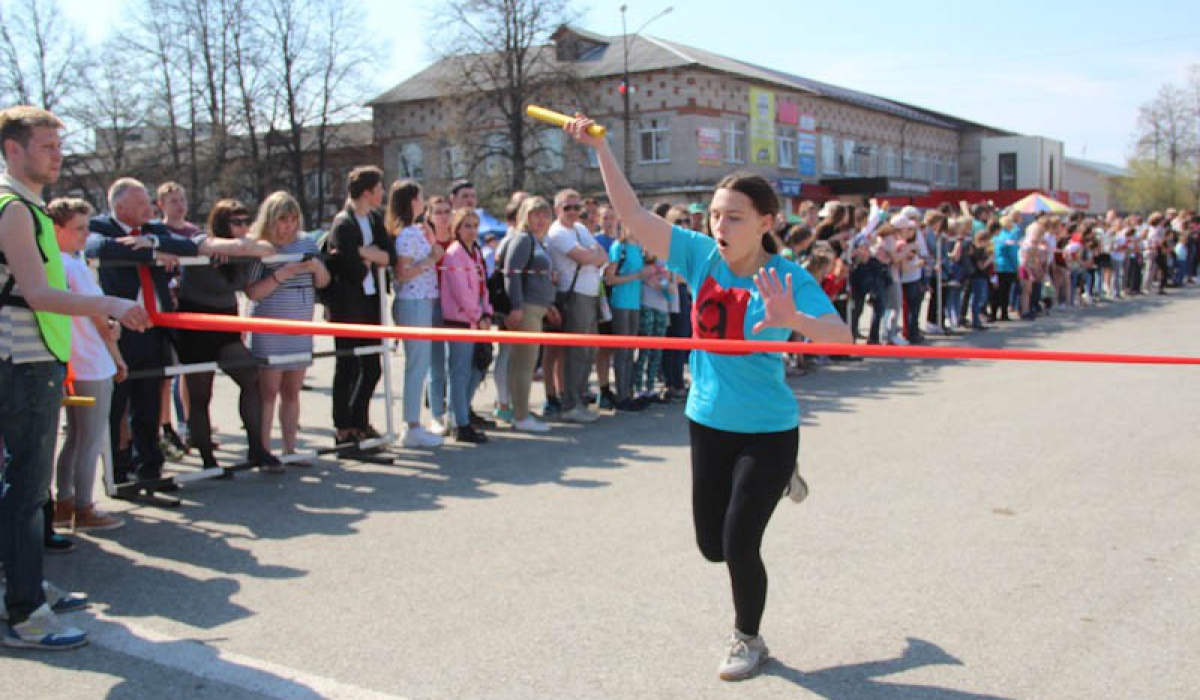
x: 287, y: 291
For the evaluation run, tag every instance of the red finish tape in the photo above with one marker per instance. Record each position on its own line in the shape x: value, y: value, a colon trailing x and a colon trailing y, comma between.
x: 237, y: 324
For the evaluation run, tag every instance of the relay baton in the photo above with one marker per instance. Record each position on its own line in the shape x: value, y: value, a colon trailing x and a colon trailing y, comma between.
x: 559, y: 119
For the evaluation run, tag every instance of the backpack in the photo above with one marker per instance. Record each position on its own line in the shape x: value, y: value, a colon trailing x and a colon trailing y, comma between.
x: 326, y: 295
x: 497, y: 295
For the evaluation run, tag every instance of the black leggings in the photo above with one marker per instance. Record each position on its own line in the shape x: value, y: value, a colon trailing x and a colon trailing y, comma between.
x: 249, y: 402
x: 737, y: 480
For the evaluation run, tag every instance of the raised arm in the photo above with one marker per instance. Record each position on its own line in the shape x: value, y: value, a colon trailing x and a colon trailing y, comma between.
x: 653, y: 232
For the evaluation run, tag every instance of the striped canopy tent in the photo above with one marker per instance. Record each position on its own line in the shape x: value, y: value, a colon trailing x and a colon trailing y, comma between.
x: 1038, y: 203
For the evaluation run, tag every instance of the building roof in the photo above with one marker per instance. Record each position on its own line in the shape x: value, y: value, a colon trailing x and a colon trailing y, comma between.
x: 648, y: 54
x: 1102, y: 168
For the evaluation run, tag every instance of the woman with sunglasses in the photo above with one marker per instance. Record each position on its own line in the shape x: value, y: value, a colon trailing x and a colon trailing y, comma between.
x: 213, y: 290
x: 742, y: 415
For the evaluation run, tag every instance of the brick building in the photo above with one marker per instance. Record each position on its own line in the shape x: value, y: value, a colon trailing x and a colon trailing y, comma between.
x: 695, y: 116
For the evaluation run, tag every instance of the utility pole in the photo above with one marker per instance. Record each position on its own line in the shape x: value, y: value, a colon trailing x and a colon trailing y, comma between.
x: 626, y: 88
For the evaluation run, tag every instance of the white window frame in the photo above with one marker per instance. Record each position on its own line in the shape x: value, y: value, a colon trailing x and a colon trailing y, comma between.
x: 849, y: 157
x: 410, y: 161
x: 939, y: 170
x: 829, y: 156
x: 655, y: 133
x: 788, y: 149
x: 454, y: 162
x: 923, y: 166
x: 551, y: 155
x: 952, y: 172
x: 735, y: 142
x: 907, y: 164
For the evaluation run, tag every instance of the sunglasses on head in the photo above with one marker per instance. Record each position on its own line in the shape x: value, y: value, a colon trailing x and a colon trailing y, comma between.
x: 572, y: 207
x: 239, y: 221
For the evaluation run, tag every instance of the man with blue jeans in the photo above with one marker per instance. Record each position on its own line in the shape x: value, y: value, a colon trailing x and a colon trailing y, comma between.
x: 34, y: 306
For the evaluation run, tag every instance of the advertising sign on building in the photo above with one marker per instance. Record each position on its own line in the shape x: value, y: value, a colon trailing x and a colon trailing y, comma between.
x: 789, y: 112
x: 808, y: 123
x: 762, y: 127
x: 806, y: 164
x: 708, y: 145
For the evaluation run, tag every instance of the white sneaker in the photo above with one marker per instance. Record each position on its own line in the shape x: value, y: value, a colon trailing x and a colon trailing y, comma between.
x: 899, y: 340
x: 419, y: 437
x: 744, y: 658
x: 439, y: 427
x: 43, y: 630
x: 529, y: 424
x: 931, y: 329
x: 579, y: 414
x: 797, y: 488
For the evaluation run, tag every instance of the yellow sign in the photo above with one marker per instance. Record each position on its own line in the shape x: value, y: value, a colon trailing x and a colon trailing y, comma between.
x: 762, y: 127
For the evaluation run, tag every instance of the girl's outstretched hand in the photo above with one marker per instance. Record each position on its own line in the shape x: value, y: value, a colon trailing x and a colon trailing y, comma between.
x: 779, y: 304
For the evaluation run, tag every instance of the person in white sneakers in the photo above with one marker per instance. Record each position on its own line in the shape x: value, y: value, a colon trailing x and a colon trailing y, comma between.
x: 417, y: 256
x: 578, y: 261
x: 530, y: 292
x: 743, y: 418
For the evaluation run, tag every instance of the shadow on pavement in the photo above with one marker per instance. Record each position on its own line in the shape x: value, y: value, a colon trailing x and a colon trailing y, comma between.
x: 859, y: 681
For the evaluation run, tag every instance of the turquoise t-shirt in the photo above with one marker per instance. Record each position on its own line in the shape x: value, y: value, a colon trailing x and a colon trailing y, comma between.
x: 1005, y: 246
x: 738, y: 393
x: 627, y: 296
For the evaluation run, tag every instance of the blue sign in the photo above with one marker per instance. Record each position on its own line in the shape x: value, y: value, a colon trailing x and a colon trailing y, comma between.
x: 789, y: 187
x: 808, y: 166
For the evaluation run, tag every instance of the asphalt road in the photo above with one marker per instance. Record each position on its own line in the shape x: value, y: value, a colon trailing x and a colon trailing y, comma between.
x: 976, y: 531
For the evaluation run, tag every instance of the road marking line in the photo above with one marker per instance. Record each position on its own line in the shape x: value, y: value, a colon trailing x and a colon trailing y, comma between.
x: 203, y: 660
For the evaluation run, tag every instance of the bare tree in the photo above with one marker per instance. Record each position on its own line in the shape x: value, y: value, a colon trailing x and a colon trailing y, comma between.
x: 502, y: 58
x: 40, y: 61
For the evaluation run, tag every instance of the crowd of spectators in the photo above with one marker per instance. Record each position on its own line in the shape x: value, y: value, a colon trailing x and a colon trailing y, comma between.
x: 562, y: 264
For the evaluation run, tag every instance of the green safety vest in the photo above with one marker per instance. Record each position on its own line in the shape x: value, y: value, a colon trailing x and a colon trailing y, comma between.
x: 55, y: 328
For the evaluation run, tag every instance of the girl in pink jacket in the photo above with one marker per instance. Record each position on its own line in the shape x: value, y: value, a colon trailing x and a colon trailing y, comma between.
x: 464, y: 305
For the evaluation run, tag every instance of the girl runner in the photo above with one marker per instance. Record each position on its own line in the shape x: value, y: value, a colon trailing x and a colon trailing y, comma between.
x: 743, y: 417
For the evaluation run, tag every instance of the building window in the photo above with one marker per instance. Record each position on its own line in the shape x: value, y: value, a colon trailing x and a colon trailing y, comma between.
x: 735, y: 142
x: 787, y: 148
x: 952, y: 175
x: 908, y: 164
x: 410, y: 163
x: 939, y: 173
x: 1008, y: 171
x: 548, y: 156
x: 654, y: 141
x: 829, y: 156
x: 496, y: 154
x: 849, y: 157
x: 454, y: 162
x: 922, y: 166
x: 891, y: 162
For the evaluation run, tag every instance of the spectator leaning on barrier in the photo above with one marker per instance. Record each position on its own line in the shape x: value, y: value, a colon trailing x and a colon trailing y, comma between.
x: 527, y: 282
x: 124, y: 236
x: 416, y: 282
x: 357, y: 248
x: 464, y: 301
x: 95, y: 361
x: 500, y: 367
x: 578, y: 260
x: 213, y: 289
x: 285, y: 291
x: 171, y: 200
x: 604, y: 230
x: 624, y: 277
x: 34, y: 345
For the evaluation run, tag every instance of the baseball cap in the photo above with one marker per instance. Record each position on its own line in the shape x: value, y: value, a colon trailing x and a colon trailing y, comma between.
x: 902, y: 221
x: 696, y: 208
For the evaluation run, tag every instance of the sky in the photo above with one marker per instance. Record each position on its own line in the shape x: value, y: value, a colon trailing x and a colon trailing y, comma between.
x: 1073, y: 71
